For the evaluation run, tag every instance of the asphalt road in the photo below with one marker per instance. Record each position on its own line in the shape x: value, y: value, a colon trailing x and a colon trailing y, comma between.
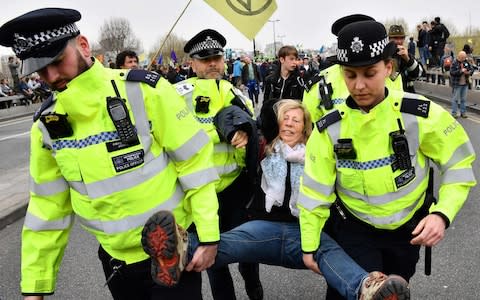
x: 455, y: 265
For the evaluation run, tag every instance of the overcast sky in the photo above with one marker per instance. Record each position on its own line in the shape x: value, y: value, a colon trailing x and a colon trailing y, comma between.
x: 304, y: 22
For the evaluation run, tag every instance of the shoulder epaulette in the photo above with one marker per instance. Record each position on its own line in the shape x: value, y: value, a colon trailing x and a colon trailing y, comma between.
x: 309, y: 83
x: 150, y: 78
x: 417, y: 107
x: 45, y: 104
x: 328, y: 120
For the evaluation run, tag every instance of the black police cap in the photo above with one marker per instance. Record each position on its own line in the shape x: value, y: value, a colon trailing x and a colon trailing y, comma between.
x: 205, y: 44
x: 363, y: 43
x: 40, y: 36
x: 342, y: 22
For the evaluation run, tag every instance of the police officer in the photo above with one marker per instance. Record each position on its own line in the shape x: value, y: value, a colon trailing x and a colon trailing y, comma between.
x: 235, y: 153
x: 370, y: 157
x: 327, y: 89
x: 111, y: 148
x: 406, y: 65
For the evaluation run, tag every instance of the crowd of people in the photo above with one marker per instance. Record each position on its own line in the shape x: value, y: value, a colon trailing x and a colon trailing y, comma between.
x: 175, y: 177
x: 32, y: 88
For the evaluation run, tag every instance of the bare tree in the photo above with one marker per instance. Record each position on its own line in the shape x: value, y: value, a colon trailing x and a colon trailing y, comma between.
x: 116, y: 35
x: 174, y: 43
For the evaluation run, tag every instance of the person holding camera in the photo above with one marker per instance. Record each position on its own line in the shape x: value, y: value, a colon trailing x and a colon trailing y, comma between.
x: 405, y: 64
x: 460, y: 73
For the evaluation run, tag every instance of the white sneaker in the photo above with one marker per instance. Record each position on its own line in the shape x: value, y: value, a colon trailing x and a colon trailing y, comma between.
x: 378, y: 286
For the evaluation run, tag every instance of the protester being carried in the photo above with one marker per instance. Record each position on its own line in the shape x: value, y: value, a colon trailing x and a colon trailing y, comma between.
x: 274, y: 236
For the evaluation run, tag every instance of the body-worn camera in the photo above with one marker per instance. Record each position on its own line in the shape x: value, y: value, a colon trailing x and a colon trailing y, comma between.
x: 202, y: 104
x: 326, y: 92
x: 344, y: 149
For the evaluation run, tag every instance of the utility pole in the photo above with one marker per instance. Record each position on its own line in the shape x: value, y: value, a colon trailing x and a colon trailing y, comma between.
x: 274, y: 40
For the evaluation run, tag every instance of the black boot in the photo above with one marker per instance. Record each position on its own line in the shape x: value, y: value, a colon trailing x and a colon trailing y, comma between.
x: 253, y: 285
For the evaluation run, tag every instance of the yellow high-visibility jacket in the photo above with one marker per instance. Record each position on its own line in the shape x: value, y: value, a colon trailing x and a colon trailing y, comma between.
x: 109, y: 187
x: 216, y: 95
x: 334, y: 75
x: 369, y: 186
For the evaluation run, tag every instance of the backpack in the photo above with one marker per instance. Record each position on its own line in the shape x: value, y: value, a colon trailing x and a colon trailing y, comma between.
x: 447, y: 63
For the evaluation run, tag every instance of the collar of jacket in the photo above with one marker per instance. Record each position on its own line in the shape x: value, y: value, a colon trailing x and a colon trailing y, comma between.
x: 86, y: 94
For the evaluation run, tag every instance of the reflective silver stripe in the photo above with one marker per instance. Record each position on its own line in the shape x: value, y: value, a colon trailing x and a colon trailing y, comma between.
x: 191, y: 147
x: 388, y: 219
x: 462, y: 152
x: 47, y: 141
x: 48, y: 188
x: 198, y: 179
x: 334, y: 132
x: 317, y: 186
x: 79, y: 187
x: 389, y: 197
x: 36, y: 224
x: 131, y: 222
x: 123, y: 181
x: 457, y: 176
x: 412, y: 133
x: 310, y: 203
x: 223, y: 147
x: 413, y: 66
x: 226, y: 169
x: 135, y: 97
x: 189, y: 100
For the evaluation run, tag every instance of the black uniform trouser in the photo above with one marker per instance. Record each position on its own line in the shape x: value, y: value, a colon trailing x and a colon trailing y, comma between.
x: 134, y: 281
x: 388, y: 251
x: 232, y: 213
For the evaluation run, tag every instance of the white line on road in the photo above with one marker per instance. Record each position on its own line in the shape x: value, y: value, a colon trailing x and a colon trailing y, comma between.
x: 16, y: 121
x: 14, y: 136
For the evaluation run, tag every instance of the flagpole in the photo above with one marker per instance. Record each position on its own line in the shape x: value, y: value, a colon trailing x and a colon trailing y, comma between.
x: 168, y: 34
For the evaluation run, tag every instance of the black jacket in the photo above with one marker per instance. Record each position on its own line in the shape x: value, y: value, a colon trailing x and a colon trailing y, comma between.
x: 256, y: 74
x: 231, y: 119
x: 256, y: 206
x: 278, y: 88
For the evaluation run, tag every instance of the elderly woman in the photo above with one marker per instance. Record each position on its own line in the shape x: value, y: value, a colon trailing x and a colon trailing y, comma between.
x: 274, y: 237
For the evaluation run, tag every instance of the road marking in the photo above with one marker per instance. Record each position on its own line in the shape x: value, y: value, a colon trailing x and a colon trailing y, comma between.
x: 16, y: 121
x: 14, y: 136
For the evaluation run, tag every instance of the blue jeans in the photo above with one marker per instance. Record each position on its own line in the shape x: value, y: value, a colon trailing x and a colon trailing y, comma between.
x: 252, y: 86
x: 424, y: 54
x: 278, y: 243
x: 459, y: 94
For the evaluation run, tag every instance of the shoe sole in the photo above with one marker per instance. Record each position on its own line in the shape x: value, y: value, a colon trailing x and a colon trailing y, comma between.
x: 159, y: 240
x: 394, y: 288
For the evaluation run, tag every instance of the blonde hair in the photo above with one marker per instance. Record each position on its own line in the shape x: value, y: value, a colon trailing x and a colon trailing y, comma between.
x: 280, y: 108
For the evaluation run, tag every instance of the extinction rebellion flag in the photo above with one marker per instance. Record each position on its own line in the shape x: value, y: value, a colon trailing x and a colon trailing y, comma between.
x: 248, y: 16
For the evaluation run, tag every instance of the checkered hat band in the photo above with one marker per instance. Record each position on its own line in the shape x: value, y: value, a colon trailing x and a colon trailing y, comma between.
x: 26, y: 44
x: 376, y: 48
x: 208, y: 43
x: 342, y: 55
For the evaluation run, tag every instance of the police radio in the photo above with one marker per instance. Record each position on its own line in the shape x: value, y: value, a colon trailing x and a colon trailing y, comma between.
x: 400, y: 148
x: 117, y: 109
x: 326, y: 92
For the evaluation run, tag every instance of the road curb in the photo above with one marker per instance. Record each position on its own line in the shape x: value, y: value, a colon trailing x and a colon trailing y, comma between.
x: 13, y: 216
